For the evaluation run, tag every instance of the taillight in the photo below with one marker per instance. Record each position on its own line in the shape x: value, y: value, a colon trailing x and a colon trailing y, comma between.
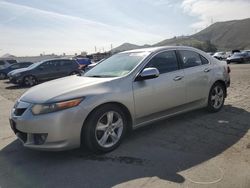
x: 228, y: 69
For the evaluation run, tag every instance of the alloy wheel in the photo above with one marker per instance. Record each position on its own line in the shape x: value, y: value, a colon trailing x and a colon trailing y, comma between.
x: 29, y: 80
x: 109, y: 129
x: 217, y: 97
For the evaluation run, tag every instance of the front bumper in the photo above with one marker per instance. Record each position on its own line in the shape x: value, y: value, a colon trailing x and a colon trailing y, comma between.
x: 54, y: 131
x: 15, y: 80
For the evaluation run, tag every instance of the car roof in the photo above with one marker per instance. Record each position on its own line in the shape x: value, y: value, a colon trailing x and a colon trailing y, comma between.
x: 55, y: 59
x: 156, y: 49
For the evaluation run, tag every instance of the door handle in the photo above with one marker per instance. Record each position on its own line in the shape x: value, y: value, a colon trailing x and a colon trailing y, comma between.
x: 177, y: 78
x: 207, y: 70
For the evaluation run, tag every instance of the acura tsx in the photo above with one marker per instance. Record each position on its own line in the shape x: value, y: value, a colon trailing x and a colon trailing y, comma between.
x: 126, y: 91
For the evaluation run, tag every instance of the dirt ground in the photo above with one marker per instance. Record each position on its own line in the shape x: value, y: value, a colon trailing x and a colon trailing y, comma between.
x: 196, y: 149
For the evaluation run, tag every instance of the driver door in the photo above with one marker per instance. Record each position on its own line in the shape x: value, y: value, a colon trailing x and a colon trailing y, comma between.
x: 156, y: 96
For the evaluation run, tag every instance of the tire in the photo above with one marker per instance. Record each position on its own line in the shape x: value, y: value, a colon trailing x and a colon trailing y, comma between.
x: 75, y: 73
x: 29, y: 81
x: 242, y: 61
x: 101, y: 135
x: 216, y: 97
x: 2, y: 75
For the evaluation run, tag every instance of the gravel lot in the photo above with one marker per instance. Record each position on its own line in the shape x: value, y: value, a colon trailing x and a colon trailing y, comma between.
x: 196, y: 149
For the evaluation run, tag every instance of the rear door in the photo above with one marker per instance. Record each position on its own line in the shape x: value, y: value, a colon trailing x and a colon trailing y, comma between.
x: 65, y: 67
x: 45, y: 71
x: 197, y: 72
x: 162, y: 93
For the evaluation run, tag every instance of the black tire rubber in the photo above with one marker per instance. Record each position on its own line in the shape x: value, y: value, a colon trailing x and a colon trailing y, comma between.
x: 88, y: 130
x: 210, y: 107
x: 74, y: 73
x: 23, y: 83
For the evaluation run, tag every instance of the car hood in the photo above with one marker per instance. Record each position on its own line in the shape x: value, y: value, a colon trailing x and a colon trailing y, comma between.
x: 18, y: 71
x: 66, y: 88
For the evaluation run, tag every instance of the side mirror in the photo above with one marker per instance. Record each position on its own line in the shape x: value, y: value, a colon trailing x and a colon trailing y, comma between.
x: 148, y: 73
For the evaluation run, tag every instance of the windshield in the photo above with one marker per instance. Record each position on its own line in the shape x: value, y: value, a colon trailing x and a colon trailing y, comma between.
x: 34, y: 65
x: 117, y: 65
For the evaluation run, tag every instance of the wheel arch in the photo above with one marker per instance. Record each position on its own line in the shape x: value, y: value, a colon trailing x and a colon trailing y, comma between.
x: 29, y: 75
x: 222, y: 82
x: 118, y: 104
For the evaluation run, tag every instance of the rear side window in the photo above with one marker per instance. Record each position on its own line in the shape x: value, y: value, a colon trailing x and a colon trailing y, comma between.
x: 190, y: 59
x: 26, y: 64
x: 48, y: 65
x: 164, y: 62
x: 65, y: 63
x: 204, y: 60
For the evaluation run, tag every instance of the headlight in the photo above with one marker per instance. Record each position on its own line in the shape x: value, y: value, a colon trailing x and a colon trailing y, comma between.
x: 53, y: 107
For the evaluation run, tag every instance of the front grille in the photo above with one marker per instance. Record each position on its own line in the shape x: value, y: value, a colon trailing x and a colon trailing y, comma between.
x: 21, y: 135
x: 19, y: 111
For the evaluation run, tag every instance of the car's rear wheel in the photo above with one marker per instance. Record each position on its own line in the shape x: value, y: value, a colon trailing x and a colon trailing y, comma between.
x: 29, y: 80
x: 216, y: 97
x: 2, y: 76
x: 105, y: 128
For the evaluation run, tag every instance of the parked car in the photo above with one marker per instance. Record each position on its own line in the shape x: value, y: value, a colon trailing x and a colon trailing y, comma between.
x: 5, y: 62
x: 45, y: 70
x: 126, y: 91
x: 220, y: 55
x: 210, y: 53
x: 83, y: 62
x: 92, y: 65
x: 4, y: 72
x: 241, y: 57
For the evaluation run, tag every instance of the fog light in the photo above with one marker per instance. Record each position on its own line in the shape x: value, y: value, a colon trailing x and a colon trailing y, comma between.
x: 40, y: 139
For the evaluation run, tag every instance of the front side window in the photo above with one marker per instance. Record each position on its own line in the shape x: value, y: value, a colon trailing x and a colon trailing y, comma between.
x: 117, y: 65
x: 15, y: 66
x: 164, y: 62
x: 190, y: 59
x: 47, y: 65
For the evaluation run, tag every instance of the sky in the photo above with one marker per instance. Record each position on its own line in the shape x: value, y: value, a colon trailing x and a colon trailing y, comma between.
x: 32, y: 27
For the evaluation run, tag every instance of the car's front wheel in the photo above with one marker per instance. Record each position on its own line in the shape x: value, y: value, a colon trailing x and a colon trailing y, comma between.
x: 104, y: 129
x: 29, y: 81
x: 216, y: 97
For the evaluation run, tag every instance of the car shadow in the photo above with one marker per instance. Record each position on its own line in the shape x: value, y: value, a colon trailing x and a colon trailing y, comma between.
x: 162, y: 149
x: 15, y: 87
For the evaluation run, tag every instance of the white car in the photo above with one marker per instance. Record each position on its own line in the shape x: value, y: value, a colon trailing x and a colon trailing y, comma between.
x: 4, y: 62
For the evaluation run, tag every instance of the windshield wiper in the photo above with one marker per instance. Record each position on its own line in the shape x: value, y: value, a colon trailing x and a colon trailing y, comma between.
x: 100, y: 76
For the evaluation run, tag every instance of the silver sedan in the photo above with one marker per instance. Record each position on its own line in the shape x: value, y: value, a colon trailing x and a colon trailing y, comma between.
x: 124, y: 92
